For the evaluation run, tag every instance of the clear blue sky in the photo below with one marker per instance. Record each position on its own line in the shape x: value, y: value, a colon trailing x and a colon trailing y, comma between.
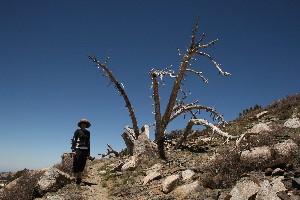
x: 47, y: 82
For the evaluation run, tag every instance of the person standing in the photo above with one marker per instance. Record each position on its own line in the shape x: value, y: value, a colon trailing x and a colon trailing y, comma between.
x: 80, y: 149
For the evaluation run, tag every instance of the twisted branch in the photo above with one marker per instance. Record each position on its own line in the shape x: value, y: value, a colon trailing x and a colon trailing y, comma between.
x: 208, y: 44
x: 218, y: 66
x: 109, y: 151
x: 194, y: 32
x: 120, y: 88
x: 161, y: 73
x: 201, y: 38
x: 198, y: 74
x: 214, y: 128
x: 189, y: 107
x: 192, y: 122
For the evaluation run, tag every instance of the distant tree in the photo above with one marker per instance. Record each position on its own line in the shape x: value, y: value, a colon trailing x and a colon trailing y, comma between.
x: 246, y: 111
x: 257, y: 107
x: 176, y: 105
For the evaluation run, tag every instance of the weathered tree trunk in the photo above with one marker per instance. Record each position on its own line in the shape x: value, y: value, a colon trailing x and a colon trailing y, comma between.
x: 129, y: 143
x: 160, y: 141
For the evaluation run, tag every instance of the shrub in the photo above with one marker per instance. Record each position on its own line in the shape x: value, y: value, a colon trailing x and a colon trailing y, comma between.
x: 229, y: 166
x: 286, y: 107
x: 175, y: 134
x: 104, y: 184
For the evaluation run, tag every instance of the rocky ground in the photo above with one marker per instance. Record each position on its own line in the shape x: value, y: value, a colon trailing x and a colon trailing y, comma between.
x: 264, y: 164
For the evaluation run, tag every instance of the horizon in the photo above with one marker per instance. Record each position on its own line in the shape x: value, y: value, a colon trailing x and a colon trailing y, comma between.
x: 48, y: 83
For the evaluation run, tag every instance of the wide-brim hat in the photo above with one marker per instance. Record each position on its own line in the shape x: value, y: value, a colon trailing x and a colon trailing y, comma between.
x: 84, y: 121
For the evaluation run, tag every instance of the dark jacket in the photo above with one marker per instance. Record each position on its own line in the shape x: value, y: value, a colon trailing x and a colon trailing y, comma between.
x: 81, y: 140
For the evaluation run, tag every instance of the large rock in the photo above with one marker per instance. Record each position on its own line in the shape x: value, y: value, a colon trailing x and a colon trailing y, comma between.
x: 266, y: 192
x: 187, y: 174
x: 129, y: 164
x: 261, y: 114
x: 155, y: 168
x: 52, y: 180
x: 263, y: 152
x: 296, y: 183
x: 286, y: 148
x: 292, y: 123
x: 278, y: 172
x: 247, y: 189
x: 260, y: 127
x: 283, y: 196
x: 170, y: 183
x: 150, y: 177
x: 277, y: 185
x: 187, y: 189
x: 244, y: 189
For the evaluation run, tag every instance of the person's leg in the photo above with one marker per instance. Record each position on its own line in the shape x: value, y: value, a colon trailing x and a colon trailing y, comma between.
x: 75, y: 175
x: 81, y: 166
x: 76, y: 165
x: 78, y: 178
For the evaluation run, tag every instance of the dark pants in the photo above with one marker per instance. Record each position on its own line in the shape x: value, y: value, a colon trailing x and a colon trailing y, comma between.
x: 80, y: 160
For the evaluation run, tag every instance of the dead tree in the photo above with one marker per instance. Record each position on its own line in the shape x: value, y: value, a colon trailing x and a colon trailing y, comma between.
x: 109, y: 152
x: 129, y: 143
x: 176, y: 105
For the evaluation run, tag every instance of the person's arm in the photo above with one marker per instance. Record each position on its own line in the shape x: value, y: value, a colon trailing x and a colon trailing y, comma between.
x: 74, y: 140
x: 88, y: 145
x: 89, y: 149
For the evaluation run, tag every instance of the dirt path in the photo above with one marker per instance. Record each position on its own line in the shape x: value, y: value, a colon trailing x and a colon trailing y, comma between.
x: 93, y: 189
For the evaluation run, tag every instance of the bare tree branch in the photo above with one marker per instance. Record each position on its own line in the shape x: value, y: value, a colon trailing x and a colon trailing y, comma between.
x: 180, y: 53
x: 192, y: 122
x: 198, y: 74
x: 161, y: 73
x: 109, y: 151
x: 120, y: 88
x: 181, y: 101
x: 241, y: 137
x: 187, y: 131
x: 190, y: 107
x: 194, y: 32
x: 201, y: 38
x: 214, y: 128
x: 193, y: 114
x: 208, y: 44
x: 215, y: 63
